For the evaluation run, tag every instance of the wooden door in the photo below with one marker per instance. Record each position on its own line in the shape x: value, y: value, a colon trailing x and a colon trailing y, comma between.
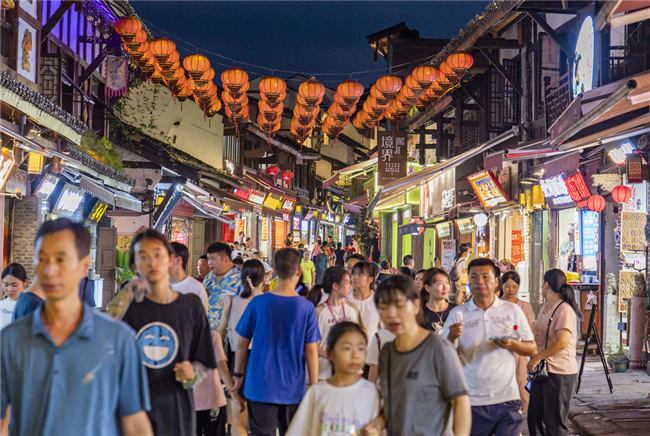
x: 198, y: 245
x: 106, y: 253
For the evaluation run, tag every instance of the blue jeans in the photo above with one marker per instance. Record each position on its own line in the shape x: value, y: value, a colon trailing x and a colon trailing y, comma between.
x: 503, y: 419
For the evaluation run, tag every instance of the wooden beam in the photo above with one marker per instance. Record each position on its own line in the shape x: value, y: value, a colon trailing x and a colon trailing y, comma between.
x: 92, y: 67
x: 55, y: 18
x: 547, y: 10
x: 505, y: 44
x: 502, y: 70
x: 458, y: 140
x: 552, y: 33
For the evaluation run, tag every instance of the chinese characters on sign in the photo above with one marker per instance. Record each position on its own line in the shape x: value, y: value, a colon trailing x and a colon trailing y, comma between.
x: 515, y: 246
x: 448, y: 198
x: 555, y: 190
x: 488, y: 189
x: 287, y: 204
x: 256, y: 197
x: 392, y: 156
x: 577, y: 188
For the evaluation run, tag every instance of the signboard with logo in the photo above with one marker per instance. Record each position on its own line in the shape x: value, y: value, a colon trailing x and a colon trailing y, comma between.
x: 589, y: 240
x: 638, y: 202
x: 443, y: 189
x: 577, y: 188
x: 256, y: 197
x: 443, y: 230
x: 272, y: 201
x: 242, y: 193
x: 393, y: 153
x: 634, y: 168
x: 27, y: 43
x: 488, y: 189
x: 516, y: 243
x: 287, y: 204
x: 555, y: 190
x: 265, y: 229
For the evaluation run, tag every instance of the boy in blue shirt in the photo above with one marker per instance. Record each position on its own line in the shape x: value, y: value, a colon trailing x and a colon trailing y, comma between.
x: 286, y: 332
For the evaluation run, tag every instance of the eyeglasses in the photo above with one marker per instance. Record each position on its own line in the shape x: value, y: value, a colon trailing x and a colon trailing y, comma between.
x: 442, y: 282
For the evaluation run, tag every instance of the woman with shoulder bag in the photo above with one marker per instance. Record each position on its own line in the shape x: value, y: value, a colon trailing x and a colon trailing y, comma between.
x: 556, y: 333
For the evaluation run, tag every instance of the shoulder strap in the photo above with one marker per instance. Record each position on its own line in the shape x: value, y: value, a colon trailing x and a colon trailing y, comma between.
x: 378, y: 340
x: 550, y: 320
x: 390, y: 396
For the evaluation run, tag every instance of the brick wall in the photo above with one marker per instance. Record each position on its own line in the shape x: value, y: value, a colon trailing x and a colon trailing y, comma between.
x: 26, y: 221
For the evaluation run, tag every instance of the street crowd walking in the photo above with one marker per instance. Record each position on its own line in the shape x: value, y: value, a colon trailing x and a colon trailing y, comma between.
x: 334, y: 346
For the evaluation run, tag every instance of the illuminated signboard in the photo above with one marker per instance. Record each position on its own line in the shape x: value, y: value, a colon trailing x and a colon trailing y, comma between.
x: 425, y: 192
x: 577, y: 188
x: 69, y: 200
x: 287, y: 204
x: 583, y: 64
x: 488, y: 189
x: 272, y: 202
x: 443, y: 230
x: 98, y: 211
x: 296, y: 223
x: 242, y: 193
x: 555, y: 190
x: 256, y: 197
x: 310, y: 215
x: 46, y: 187
x: 285, y: 216
x: 6, y: 164
x: 618, y: 154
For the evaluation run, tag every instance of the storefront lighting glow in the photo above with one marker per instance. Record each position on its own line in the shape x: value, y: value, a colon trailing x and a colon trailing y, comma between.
x: 480, y: 219
x: 98, y: 211
x: 69, y: 201
x: 337, y: 219
x: 577, y: 187
x: 488, y: 189
x: 618, y: 154
x: 556, y: 190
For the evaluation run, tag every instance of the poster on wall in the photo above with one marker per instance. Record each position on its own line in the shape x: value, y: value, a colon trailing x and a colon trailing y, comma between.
x: 124, y: 243
x: 625, y: 289
x: 448, y: 253
x: 391, y: 163
x: 638, y: 202
x: 633, y: 231
x: 265, y: 229
x: 26, y: 58
x: 515, y: 247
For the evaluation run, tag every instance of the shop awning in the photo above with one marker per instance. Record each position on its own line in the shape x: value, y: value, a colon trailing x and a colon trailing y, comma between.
x: 630, y: 128
x: 618, y: 13
x: 399, y: 187
x: 494, y: 161
x: 355, y: 204
x: 210, y: 208
x: 97, y: 190
x: 125, y: 200
x: 351, y: 172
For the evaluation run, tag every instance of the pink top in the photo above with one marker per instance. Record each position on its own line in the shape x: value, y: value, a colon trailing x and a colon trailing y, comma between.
x: 528, y: 311
x: 565, y: 318
x: 209, y: 393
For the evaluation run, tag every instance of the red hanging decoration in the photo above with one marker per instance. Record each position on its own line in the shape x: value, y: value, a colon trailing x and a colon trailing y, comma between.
x: 596, y: 203
x: 621, y: 194
x: 273, y: 170
x: 287, y: 175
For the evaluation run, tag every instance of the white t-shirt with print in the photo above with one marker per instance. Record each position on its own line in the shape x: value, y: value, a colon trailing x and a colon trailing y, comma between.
x: 489, y: 369
x: 332, y: 411
x: 369, y: 314
x: 190, y: 285
x: 6, y: 312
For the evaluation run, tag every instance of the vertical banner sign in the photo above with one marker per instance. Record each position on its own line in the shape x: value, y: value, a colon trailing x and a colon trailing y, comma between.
x: 392, y: 156
x: 448, y: 253
x: 515, y: 247
x: 116, y: 75
x: 265, y: 229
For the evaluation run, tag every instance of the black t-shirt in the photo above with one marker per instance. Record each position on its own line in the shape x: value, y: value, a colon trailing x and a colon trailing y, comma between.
x: 168, y: 334
x: 374, y: 242
x: 340, y: 257
x: 288, y: 243
x: 435, y: 321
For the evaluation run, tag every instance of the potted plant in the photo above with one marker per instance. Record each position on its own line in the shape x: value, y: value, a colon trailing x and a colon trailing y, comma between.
x: 123, y: 269
x: 616, y: 358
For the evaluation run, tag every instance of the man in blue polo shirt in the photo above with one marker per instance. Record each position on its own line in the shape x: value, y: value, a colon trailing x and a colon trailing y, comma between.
x: 66, y: 368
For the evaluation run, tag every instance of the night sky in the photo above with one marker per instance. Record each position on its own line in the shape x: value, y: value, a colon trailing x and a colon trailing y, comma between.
x: 308, y: 37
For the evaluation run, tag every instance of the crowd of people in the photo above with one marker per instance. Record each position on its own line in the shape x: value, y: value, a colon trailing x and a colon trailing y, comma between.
x: 348, y: 348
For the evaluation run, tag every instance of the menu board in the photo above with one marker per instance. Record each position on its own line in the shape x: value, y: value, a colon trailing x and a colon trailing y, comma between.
x: 448, y: 253
x: 589, y: 240
x: 633, y: 231
x: 625, y: 289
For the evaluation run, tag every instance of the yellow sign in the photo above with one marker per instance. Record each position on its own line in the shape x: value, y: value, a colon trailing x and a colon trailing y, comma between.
x: 487, y: 189
x: 35, y: 163
x: 98, y: 211
x: 124, y: 243
x: 272, y: 202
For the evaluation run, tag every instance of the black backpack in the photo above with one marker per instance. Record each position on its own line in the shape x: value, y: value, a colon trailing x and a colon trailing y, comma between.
x: 453, y: 274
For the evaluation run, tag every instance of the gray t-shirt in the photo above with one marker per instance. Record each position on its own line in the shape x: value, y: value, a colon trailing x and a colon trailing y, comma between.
x: 423, y: 382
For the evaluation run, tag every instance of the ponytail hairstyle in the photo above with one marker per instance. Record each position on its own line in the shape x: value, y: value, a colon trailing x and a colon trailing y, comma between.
x: 252, y: 274
x: 315, y: 294
x: 557, y: 283
x: 461, y: 250
x: 368, y: 268
x: 333, y: 275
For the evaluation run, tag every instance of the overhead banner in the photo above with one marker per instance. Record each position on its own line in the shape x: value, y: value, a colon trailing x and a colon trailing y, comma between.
x: 391, y: 162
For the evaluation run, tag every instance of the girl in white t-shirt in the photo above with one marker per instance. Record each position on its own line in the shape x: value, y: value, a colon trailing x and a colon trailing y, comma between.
x: 14, y: 281
x: 344, y: 403
x: 252, y: 278
x: 364, y: 281
x: 336, y: 284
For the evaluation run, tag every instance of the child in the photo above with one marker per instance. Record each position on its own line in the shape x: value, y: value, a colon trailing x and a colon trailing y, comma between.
x: 344, y: 403
x: 336, y: 284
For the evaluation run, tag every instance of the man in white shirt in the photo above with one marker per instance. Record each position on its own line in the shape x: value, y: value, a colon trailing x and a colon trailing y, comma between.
x: 487, y: 331
x: 179, y: 281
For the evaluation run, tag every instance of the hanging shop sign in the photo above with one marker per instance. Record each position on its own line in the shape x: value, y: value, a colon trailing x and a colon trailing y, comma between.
x: 310, y: 214
x: 634, y: 168
x: 46, y: 187
x: 414, y: 227
x: 465, y: 225
x: 35, y: 163
x: 425, y: 192
x: 256, y: 197
x: 516, y: 242
x: 488, y: 189
x: 618, y: 154
x: 27, y: 44
x: 443, y: 230
x: 265, y: 229
x: 589, y: 240
x: 296, y: 223
x: 286, y: 217
x: 577, y: 188
x: 638, y: 201
x: 583, y: 64
x: 98, y: 211
x: 633, y: 231
x: 242, y: 193
x: 448, y: 253
x: 69, y: 200
x: 555, y: 190
x: 392, y: 159
x: 287, y: 204
x: 272, y: 202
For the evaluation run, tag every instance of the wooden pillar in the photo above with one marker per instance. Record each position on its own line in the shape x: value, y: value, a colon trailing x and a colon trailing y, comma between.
x: 422, y: 145
x: 458, y: 131
x: 441, y: 146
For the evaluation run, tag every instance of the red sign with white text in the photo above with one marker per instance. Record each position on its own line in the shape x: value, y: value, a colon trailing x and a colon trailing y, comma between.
x: 577, y: 188
x: 515, y: 247
x: 242, y: 193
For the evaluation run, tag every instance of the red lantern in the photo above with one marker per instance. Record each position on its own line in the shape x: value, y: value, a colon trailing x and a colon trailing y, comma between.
x: 444, y: 81
x: 162, y: 49
x: 621, y: 194
x: 272, y: 89
x: 351, y: 91
x: 287, y: 175
x: 312, y: 91
x: 235, y: 80
x: 596, y: 203
x: 127, y: 27
x: 389, y: 86
x: 196, y: 65
x: 425, y: 75
x: 459, y: 63
x: 273, y: 170
x: 138, y: 38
